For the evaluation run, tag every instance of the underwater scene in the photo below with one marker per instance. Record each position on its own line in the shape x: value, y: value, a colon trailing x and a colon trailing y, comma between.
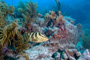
x: 44, y: 29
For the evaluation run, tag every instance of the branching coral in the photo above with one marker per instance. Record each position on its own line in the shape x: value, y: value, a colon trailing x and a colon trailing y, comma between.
x: 4, y: 11
x: 20, y: 43
x: 50, y: 18
x: 7, y: 35
x: 30, y: 12
x: 60, y: 19
x: 15, y: 35
x: 53, y: 15
x: 11, y: 10
x: 2, y: 36
x: 61, y: 24
x: 10, y: 36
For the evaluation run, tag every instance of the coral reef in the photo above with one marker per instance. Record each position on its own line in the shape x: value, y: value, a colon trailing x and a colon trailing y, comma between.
x: 52, y: 33
x: 12, y: 38
x: 7, y: 35
x: 27, y: 14
x: 61, y: 29
x: 60, y: 35
x: 5, y: 10
x: 30, y: 13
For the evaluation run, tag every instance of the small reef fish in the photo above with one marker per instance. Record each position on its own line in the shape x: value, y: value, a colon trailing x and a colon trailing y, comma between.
x: 35, y: 37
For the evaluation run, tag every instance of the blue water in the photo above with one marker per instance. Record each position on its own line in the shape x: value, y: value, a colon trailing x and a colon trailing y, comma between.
x: 77, y: 9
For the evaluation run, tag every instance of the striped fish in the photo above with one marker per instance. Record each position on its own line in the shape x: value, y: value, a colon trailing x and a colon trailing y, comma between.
x: 35, y: 37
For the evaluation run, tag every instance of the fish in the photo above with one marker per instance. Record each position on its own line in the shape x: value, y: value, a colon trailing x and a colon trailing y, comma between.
x: 36, y: 37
